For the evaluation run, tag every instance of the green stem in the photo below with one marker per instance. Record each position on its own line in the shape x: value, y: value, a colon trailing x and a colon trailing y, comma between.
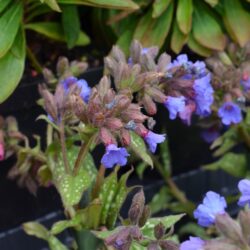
x: 49, y: 134
x: 244, y: 135
x: 83, y: 152
x: 64, y: 151
x: 38, y: 67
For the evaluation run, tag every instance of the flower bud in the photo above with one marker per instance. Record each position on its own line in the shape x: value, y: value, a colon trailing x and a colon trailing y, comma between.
x: 77, y: 68
x: 12, y: 125
x: 104, y: 85
x: 78, y: 107
x: 125, y: 137
x: 169, y: 245
x: 153, y: 246
x: 220, y: 245
x: 106, y: 137
x: 229, y: 228
x: 145, y: 215
x: 62, y: 66
x: 159, y: 231
x: 157, y: 95
x: 137, y: 207
x: 113, y: 123
x: 244, y: 218
x: 49, y: 76
x: 149, y: 105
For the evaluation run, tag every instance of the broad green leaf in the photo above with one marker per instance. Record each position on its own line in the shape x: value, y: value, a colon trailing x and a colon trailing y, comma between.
x: 120, y: 196
x: 107, y: 194
x: 140, y: 168
x: 9, y: 25
x: 55, y: 31
x: 36, y: 229
x: 158, y: 28
x: 167, y: 221
x: 207, y: 30
x: 234, y: 164
x: 212, y: 2
x: 237, y: 21
x: 71, y: 24
x: 3, y: 4
x: 159, y: 6
x: 137, y: 246
x: 178, y: 39
x: 52, y: 4
x: 55, y: 244
x: 138, y: 146
x: 198, y: 48
x: 111, y: 4
x: 184, y: 15
x: 12, y: 66
x: 193, y: 229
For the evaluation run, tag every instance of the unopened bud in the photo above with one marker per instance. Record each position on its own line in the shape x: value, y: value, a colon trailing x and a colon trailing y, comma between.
x: 153, y: 246
x: 12, y: 125
x: 78, y: 107
x: 106, y: 137
x: 125, y: 137
x: 244, y: 218
x: 169, y: 245
x: 49, y: 76
x: 145, y: 215
x: 149, y: 105
x: 157, y: 95
x: 104, y: 85
x: 62, y: 66
x: 113, y: 123
x: 159, y: 231
x: 137, y: 207
x: 229, y: 228
x: 77, y: 68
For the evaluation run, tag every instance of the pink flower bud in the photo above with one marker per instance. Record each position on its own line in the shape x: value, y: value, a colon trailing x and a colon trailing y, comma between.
x: 157, y: 95
x: 149, y: 105
x: 106, y: 137
x: 113, y: 123
x: 1, y: 151
x: 125, y: 137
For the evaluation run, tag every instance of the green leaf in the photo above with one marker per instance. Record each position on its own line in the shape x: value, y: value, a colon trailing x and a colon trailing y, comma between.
x: 167, y: 221
x: 207, y: 30
x: 107, y: 194
x: 184, y: 15
x: 237, y: 20
x: 193, y: 229
x: 12, y: 66
x: 4, y: 4
x: 111, y: 4
x: 36, y: 229
x: 178, y: 39
x: 197, y: 48
x: 9, y: 25
x: 55, y: 244
x: 55, y: 31
x: 119, y: 198
x: 159, y: 6
x: 138, y: 146
x: 212, y: 2
x: 52, y: 4
x: 71, y: 24
x: 157, y: 28
x: 234, y: 164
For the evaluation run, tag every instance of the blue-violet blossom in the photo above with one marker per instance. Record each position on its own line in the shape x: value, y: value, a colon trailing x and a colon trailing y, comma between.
x: 114, y: 156
x: 174, y: 105
x: 194, y: 243
x: 244, y: 187
x: 153, y: 139
x: 230, y: 113
x: 210, y: 135
x: 213, y: 204
x: 203, y: 95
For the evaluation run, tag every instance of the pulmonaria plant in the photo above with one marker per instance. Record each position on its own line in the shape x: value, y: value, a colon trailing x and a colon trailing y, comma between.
x: 234, y: 234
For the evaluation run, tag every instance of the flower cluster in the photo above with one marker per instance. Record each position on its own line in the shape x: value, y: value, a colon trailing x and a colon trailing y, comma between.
x: 212, y: 212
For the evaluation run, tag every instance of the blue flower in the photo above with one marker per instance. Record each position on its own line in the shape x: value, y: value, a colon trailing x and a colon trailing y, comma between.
x: 194, y: 243
x: 230, y: 113
x: 210, y: 135
x: 153, y: 139
x: 181, y: 60
x: 203, y: 95
x: 174, y: 105
x: 85, y: 90
x: 244, y: 187
x: 114, y: 156
x: 199, y: 69
x: 212, y: 205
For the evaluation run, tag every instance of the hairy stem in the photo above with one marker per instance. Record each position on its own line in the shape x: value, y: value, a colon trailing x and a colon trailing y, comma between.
x: 38, y: 67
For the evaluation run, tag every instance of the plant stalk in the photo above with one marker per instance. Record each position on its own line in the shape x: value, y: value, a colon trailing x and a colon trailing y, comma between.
x: 63, y: 145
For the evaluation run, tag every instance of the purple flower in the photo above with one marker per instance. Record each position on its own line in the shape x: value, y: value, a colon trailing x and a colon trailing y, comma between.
x: 194, y: 243
x: 143, y: 52
x: 186, y: 114
x: 203, y: 95
x: 174, y: 105
x: 85, y: 90
x: 153, y: 139
x: 230, y: 113
x: 114, y: 156
x: 210, y: 135
x: 244, y: 187
x: 245, y: 82
x: 199, y: 69
x: 181, y: 60
x: 212, y: 205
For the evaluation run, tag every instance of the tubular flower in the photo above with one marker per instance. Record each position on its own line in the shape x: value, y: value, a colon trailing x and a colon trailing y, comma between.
x: 212, y: 205
x: 230, y: 113
x: 175, y: 105
x: 194, y: 243
x: 244, y: 187
x: 114, y: 156
x: 152, y: 139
